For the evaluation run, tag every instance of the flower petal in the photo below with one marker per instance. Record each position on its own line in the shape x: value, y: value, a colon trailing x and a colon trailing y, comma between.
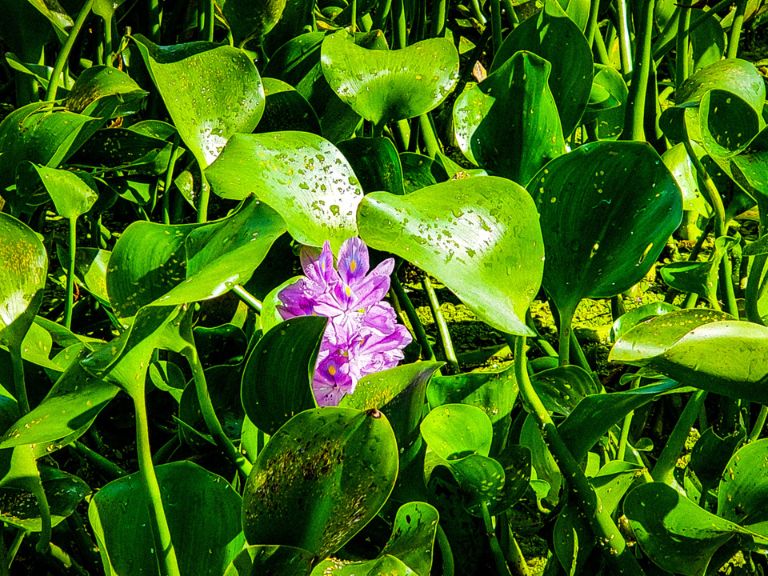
x: 353, y: 261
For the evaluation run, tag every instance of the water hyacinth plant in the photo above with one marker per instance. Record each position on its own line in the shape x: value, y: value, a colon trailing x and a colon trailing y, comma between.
x: 362, y: 336
x: 553, y: 361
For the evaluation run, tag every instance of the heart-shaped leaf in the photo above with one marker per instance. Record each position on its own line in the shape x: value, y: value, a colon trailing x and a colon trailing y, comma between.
x: 377, y: 162
x: 286, y: 109
x: 71, y: 196
x: 282, y: 560
x: 509, y: 123
x: 386, y: 85
x: 728, y: 123
x: 22, y: 281
x: 251, y: 20
x: 479, y: 236
x: 454, y: 431
x: 743, y: 493
x: 300, y: 175
x: 210, y: 92
x: 203, y: 514
x: 554, y: 37
x: 321, y: 478
x: 105, y: 92
x: 599, y: 240
x: 277, y: 377
x: 731, y: 75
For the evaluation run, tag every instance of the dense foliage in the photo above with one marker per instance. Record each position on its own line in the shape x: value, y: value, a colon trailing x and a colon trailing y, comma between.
x: 299, y: 287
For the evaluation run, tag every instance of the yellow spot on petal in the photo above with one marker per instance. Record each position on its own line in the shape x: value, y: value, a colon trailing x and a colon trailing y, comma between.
x: 352, y: 265
x: 332, y: 370
x: 348, y: 290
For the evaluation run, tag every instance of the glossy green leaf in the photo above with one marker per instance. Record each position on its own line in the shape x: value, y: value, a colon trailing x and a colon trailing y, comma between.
x: 493, y: 392
x: 211, y: 92
x: 203, y: 514
x: 607, y: 101
x: 383, y: 565
x: 752, y: 164
x: 281, y: 560
x: 105, y: 9
x: 389, y: 85
x: 91, y: 268
x: 251, y: 20
x: 294, y: 59
x: 377, y: 162
x: 176, y: 264
x: 509, y: 123
x: 25, y: 266
x: 679, y: 163
x: 71, y: 195
x: 454, y: 431
x: 542, y: 462
x: 64, y: 493
x: 598, y: 239
x: 105, y: 92
x: 554, y: 37
x: 70, y: 407
x: 630, y: 319
x: 597, y: 413
x: 300, y: 175
x: 478, y: 236
x: 562, y: 388
x: 673, y: 531
x: 399, y: 393
x: 321, y: 478
x: 743, y: 493
x: 277, y: 377
x: 413, y: 536
x: 286, y: 109
x: 37, y: 134
x: 224, y: 390
x: 420, y: 171
x: 728, y: 123
x: 731, y: 75
x: 711, y: 454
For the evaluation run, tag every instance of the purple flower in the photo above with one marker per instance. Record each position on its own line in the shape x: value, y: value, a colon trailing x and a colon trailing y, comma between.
x: 362, y: 336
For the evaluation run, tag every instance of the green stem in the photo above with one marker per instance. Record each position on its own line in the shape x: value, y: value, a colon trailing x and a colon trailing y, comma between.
x: 514, y: 553
x: 439, y: 11
x: 635, y: 113
x: 66, y: 561
x: 399, y: 23
x: 108, y: 467
x: 564, y: 338
x: 155, y: 18
x: 594, y: 9
x: 353, y: 16
x: 498, y: 556
x: 578, y: 351
x: 757, y: 429
x: 665, y: 42
x: 166, y: 451
x: 624, y: 438
x: 709, y: 186
x: 69, y: 303
x: 108, y: 44
x: 683, y: 44
x: 496, y: 25
x: 509, y: 8
x: 442, y: 325
x: 15, y: 545
x: 205, y: 194
x: 478, y: 12
x: 607, y: 534
x: 664, y: 469
x: 601, y: 49
x: 625, y: 42
x: 382, y: 14
x: 164, y: 549
x: 738, y: 22
x: 168, y: 180
x: 61, y: 58
x: 209, y: 414
x: 250, y: 300
x: 44, y: 539
x: 445, y: 551
x: 20, y: 386
x: 413, y: 318
x: 756, y: 282
x: 730, y: 292
x: 428, y: 134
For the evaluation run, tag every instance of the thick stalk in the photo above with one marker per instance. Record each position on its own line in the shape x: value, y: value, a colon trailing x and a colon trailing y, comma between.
x: 498, y: 556
x: 205, y: 195
x: 61, y: 58
x: 594, y: 9
x: 442, y: 325
x: 155, y: 18
x: 168, y: 180
x: 738, y: 22
x: 439, y: 10
x: 664, y: 469
x: 353, y: 16
x: 683, y: 43
x: 625, y: 42
x: 44, y: 540
x: 105, y: 465
x: 666, y: 41
x: 602, y: 50
x: 399, y: 24
x: 250, y: 300
x: 20, y: 386
x: 164, y: 549
x: 509, y: 8
x: 69, y: 303
x: 623, y: 439
x: 478, y: 12
x: 445, y: 551
x: 564, y: 337
x: 756, y: 283
x: 413, y: 318
x: 635, y: 114
x: 608, y: 536
x: 496, y: 25
x: 428, y: 134
x: 209, y: 414
x: 759, y: 424
x: 107, y: 42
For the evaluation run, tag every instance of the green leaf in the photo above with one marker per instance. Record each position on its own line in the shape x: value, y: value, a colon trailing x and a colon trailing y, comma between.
x: 280, y: 560
x: 711, y: 454
x: 25, y: 266
x: 563, y: 387
x: 509, y: 123
x: 203, y: 514
x: 294, y: 59
x: 64, y: 493
x: 728, y: 123
x: 377, y: 162
x: 454, y: 431
x: 399, y: 393
x: 277, y: 376
x: 493, y: 392
x: 420, y: 171
x: 630, y: 319
x: 300, y: 175
x: 479, y: 236
x: 743, y: 493
x: 752, y: 164
x: 598, y: 239
x: 320, y: 479
x: 286, y: 109
x: 211, y: 92
x: 675, y: 533
x: 386, y: 85
x: 731, y: 75
x: 68, y: 409
x: 413, y: 536
x: 607, y: 101
x: 725, y: 357
x: 71, y: 196
x: 554, y: 37
x: 679, y: 163
x: 386, y: 564
x: 167, y: 265
x: 251, y: 20
x: 105, y: 92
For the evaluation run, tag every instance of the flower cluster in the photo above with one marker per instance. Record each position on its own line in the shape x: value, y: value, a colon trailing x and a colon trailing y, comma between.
x: 362, y: 335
